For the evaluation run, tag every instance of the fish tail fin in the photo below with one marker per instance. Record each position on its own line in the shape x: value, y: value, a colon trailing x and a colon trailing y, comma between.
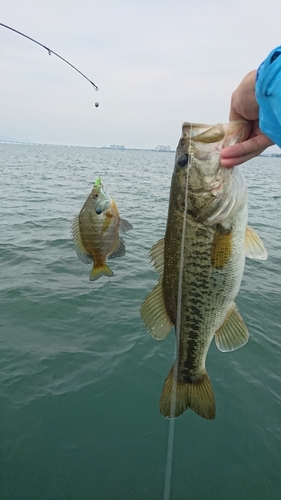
x: 178, y: 396
x: 99, y: 271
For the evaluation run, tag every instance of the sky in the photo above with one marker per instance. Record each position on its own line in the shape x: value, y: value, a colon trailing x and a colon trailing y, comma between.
x: 157, y: 63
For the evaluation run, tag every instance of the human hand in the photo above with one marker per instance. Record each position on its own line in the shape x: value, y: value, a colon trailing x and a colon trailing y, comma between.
x: 256, y: 143
x: 244, y: 105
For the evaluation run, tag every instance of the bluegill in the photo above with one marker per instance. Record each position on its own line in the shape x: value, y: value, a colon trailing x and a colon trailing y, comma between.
x: 96, y: 231
x: 200, y: 262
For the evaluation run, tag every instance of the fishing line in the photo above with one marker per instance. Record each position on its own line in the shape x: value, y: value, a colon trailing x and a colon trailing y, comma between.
x: 171, y: 433
x: 51, y: 52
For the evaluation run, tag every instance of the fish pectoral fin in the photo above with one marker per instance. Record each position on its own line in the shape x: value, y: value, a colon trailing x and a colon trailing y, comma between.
x: 254, y: 247
x: 178, y: 396
x: 119, y: 251
x: 221, y: 250
x: 157, y: 256
x: 233, y: 333
x: 81, y: 252
x: 97, y: 272
x: 124, y: 225
x: 154, y: 314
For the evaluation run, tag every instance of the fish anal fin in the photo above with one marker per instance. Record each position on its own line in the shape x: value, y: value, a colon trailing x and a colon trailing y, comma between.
x: 154, y: 314
x: 124, y: 225
x: 254, y: 247
x: 157, y: 256
x: 221, y: 250
x: 99, y: 271
x: 233, y: 333
x: 119, y: 251
x: 81, y: 252
x: 178, y: 396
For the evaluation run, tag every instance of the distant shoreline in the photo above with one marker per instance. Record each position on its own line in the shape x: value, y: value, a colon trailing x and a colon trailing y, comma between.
x: 110, y: 148
x: 26, y: 143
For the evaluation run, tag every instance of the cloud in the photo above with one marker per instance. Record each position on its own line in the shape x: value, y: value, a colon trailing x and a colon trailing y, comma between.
x: 157, y: 63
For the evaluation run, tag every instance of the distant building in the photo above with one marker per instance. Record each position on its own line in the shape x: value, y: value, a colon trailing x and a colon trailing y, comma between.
x: 117, y: 146
x: 163, y: 148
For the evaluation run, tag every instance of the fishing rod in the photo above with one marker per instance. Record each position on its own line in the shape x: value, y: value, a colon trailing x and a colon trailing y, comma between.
x: 51, y: 52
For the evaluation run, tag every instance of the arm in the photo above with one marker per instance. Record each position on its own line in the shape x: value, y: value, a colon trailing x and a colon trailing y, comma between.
x: 258, y: 99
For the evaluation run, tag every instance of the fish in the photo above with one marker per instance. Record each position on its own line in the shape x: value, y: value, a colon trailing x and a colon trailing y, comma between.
x: 200, y: 262
x: 96, y: 229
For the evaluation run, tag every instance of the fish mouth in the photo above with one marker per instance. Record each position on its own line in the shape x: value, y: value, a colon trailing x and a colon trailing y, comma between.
x: 102, y: 206
x: 214, y: 189
x: 200, y: 192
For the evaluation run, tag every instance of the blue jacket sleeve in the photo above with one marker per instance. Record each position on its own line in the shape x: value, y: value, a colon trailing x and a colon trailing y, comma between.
x: 268, y: 95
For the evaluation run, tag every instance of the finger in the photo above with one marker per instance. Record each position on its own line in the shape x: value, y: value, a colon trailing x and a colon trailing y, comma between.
x: 252, y: 147
x: 233, y: 115
x: 232, y: 162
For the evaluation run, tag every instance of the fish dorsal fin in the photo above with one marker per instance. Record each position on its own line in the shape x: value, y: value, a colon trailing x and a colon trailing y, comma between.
x: 154, y: 314
x: 221, y: 250
x: 81, y: 252
x: 124, y: 225
x: 157, y: 256
x: 233, y: 333
x: 119, y: 251
x: 254, y: 247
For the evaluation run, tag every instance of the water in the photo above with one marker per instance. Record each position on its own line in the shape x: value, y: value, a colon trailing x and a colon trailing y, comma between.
x: 80, y: 378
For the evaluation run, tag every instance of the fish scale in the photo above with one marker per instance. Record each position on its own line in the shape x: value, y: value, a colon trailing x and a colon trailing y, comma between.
x: 96, y: 231
x: 201, y: 263
x: 195, y: 301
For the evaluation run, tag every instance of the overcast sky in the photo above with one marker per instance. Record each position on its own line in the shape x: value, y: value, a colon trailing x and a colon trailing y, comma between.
x: 157, y: 63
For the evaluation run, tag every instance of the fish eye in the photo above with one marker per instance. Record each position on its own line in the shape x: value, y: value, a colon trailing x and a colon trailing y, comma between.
x: 183, y: 160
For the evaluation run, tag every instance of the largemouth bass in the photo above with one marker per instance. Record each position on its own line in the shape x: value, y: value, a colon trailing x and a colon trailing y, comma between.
x: 96, y: 231
x: 201, y: 262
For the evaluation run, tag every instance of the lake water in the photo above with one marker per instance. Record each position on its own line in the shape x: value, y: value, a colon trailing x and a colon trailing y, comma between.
x: 80, y: 378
